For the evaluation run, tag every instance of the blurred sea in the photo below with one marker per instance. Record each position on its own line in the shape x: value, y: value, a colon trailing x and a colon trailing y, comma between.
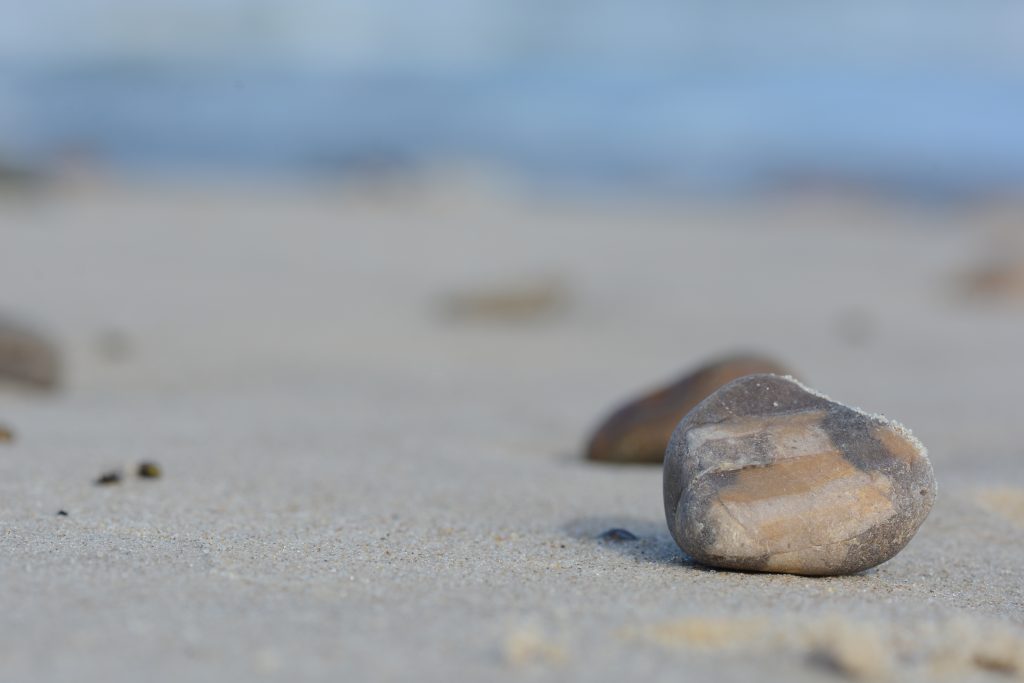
x: 925, y: 98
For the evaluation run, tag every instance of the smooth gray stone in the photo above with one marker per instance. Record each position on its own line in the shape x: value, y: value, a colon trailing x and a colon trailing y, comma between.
x: 768, y: 475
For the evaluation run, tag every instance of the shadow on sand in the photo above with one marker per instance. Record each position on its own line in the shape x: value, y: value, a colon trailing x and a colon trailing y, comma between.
x: 653, y: 541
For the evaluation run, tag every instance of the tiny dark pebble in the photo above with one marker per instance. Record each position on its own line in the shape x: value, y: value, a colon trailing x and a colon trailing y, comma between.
x: 149, y: 470
x: 109, y: 478
x: 62, y: 513
x: 6, y: 435
x: 617, y: 536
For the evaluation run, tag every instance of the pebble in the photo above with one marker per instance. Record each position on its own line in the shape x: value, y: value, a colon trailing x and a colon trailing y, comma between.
x: 149, y: 470
x: 27, y: 358
x: 522, y: 302
x: 768, y: 475
x: 6, y: 435
x: 639, y: 431
x: 1000, y: 278
x: 107, y: 478
x: 618, y: 536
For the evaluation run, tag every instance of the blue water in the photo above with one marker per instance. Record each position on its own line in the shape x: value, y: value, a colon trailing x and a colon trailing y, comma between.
x: 903, y: 96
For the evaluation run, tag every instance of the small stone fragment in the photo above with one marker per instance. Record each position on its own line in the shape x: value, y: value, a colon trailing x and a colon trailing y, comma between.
x: 27, y: 358
x: 6, y: 435
x: 640, y: 430
x: 149, y: 470
x: 520, y: 302
x: 768, y: 475
x: 617, y: 536
x: 62, y: 513
x: 999, y: 280
x: 107, y: 478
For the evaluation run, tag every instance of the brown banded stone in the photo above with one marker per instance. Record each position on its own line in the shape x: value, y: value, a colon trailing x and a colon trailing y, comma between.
x: 768, y: 475
x: 27, y: 358
x: 639, y: 431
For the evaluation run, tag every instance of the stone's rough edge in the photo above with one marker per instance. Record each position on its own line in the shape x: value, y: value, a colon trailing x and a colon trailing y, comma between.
x: 900, y: 428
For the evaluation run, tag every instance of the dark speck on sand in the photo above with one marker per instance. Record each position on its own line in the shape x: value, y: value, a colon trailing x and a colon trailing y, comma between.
x: 107, y: 478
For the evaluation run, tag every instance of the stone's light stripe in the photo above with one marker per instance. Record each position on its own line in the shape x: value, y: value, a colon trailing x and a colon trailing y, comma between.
x: 727, y: 446
x: 805, y: 502
x: 776, y: 426
x: 810, y: 474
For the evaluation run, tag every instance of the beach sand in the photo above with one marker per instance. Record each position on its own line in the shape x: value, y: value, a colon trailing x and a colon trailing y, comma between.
x: 370, y: 406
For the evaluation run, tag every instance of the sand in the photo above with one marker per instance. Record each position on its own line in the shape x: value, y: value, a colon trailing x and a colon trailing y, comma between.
x: 359, y: 485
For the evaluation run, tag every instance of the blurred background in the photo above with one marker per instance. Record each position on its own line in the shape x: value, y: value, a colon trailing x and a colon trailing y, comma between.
x: 907, y: 98
x: 244, y: 189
